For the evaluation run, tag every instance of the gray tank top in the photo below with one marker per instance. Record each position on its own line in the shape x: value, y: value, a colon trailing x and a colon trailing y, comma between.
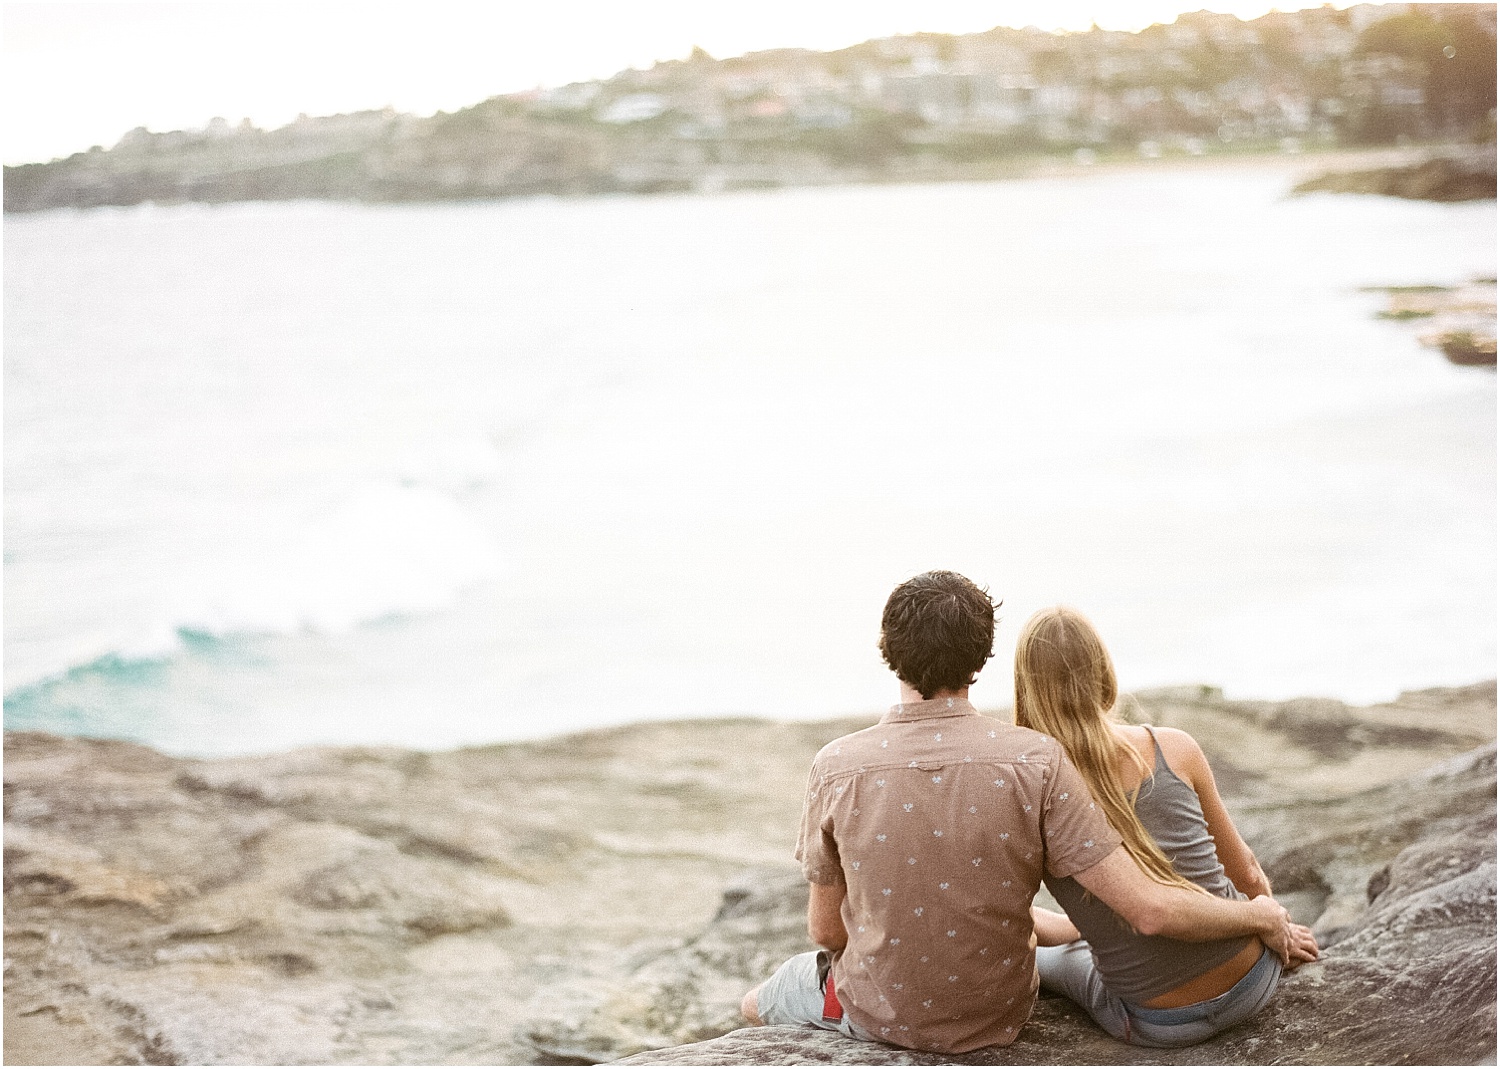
x: 1140, y: 967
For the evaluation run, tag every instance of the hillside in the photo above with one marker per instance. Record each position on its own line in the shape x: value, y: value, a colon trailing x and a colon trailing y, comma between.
x: 924, y: 107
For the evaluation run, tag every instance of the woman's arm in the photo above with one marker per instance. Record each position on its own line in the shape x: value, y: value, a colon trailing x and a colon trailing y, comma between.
x: 1186, y: 759
x: 1052, y: 929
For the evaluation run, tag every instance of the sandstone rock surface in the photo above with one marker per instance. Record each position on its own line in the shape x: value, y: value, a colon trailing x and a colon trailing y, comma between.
x: 594, y: 897
x: 1407, y: 977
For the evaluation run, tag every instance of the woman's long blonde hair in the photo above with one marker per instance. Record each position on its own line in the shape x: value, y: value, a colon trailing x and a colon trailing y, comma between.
x: 1066, y: 688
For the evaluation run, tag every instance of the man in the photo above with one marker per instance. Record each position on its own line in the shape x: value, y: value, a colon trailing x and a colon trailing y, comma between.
x: 924, y: 839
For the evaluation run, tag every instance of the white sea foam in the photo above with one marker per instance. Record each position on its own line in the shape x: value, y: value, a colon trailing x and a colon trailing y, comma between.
x: 385, y: 551
x: 453, y: 463
x: 161, y: 643
x: 157, y: 645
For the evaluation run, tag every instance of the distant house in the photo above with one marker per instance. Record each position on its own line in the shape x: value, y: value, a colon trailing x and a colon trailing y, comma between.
x: 637, y: 107
x: 572, y: 97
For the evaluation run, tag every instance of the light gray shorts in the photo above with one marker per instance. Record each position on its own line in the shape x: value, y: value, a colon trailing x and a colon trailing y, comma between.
x: 1070, y: 970
x: 794, y: 995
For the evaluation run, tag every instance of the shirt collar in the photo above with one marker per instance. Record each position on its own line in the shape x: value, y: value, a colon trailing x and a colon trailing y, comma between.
x: 930, y: 709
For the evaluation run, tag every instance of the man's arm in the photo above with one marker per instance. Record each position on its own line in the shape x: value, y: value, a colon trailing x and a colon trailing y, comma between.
x: 1153, y: 908
x: 825, y: 917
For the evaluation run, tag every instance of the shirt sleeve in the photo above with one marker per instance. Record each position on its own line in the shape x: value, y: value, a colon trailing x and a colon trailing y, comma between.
x: 816, y: 848
x: 1075, y: 833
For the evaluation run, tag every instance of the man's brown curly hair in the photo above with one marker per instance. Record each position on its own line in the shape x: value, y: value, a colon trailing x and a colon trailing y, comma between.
x: 937, y: 631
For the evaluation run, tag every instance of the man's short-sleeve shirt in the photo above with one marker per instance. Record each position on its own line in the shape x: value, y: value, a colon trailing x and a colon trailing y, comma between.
x: 940, y: 823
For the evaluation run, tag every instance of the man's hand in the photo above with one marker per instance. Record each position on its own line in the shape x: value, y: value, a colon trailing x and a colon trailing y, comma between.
x: 1304, y: 947
x: 1276, y: 929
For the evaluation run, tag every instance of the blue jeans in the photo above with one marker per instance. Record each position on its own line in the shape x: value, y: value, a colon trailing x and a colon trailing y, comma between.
x: 1069, y: 970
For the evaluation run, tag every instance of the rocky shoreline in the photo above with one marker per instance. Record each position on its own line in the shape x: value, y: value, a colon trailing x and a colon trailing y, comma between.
x: 1459, y: 321
x: 1445, y: 176
x: 609, y: 895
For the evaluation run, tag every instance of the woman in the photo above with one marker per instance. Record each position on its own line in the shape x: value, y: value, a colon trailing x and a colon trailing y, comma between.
x: 1155, y: 786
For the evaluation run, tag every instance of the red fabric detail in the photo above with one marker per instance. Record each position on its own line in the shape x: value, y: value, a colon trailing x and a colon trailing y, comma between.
x: 832, y: 1009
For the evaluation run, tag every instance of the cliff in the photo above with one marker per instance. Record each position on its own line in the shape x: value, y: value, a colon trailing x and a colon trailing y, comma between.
x: 611, y: 894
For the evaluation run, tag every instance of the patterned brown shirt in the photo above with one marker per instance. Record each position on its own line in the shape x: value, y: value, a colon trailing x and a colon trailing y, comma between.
x: 939, y: 822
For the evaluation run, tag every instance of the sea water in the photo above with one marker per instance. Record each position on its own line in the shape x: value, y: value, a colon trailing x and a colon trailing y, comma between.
x: 281, y: 474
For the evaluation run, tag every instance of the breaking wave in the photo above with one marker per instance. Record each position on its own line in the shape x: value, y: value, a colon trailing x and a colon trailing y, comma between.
x: 384, y: 552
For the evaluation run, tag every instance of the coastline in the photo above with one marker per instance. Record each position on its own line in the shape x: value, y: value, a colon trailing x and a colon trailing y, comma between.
x: 346, y: 905
x: 1313, y: 163
x: 1308, y: 159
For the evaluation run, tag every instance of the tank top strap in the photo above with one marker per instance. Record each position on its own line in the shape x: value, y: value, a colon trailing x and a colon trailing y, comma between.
x: 1161, y: 758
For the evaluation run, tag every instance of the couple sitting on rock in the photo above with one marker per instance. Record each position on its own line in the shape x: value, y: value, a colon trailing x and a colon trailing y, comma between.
x: 925, y: 837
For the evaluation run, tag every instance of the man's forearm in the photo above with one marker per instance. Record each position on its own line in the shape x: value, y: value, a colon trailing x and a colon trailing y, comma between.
x: 1195, y: 918
x: 825, y: 922
x: 1158, y: 909
x: 834, y: 941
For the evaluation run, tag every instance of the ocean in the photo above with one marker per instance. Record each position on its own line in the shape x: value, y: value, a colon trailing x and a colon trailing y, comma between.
x: 441, y: 475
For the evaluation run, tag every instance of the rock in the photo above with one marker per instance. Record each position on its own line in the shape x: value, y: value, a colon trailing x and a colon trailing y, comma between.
x: 601, y: 895
x: 365, y: 904
x: 1448, y: 177
x: 689, y: 992
x: 1423, y: 855
x: 1466, y: 348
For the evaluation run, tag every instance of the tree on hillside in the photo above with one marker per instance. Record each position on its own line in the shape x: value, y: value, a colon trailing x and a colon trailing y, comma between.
x: 1455, y: 55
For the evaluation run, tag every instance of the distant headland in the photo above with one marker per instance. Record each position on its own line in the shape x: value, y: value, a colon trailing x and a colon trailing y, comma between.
x: 923, y: 107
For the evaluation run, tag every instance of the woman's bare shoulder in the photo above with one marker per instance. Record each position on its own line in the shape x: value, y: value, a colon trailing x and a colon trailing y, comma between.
x: 1171, y: 740
x: 1175, y: 739
x: 1184, y: 755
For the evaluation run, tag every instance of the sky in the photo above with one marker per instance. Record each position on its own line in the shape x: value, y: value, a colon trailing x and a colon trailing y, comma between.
x: 81, y: 74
